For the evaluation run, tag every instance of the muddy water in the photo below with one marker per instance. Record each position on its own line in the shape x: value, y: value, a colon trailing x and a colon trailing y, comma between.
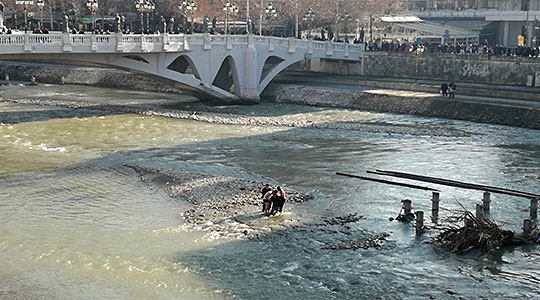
x: 76, y: 223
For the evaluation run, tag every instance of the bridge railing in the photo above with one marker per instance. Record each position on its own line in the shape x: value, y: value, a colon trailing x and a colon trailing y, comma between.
x: 66, y: 42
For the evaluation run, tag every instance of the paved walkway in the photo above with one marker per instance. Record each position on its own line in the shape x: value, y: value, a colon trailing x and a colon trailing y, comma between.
x: 351, y: 83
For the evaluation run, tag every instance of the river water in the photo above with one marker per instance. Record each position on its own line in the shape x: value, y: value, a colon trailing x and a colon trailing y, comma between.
x: 75, y: 223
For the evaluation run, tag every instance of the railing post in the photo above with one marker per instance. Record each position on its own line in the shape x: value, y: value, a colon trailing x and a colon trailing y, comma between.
x: 165, y: 41
x: 270, y: 43
x: 66, y: 42
x: 329, y: 48
x: 207, y: 42
x: 292, y: 46
x: 228, y: 42
x: 185, y: 42
x: 346, y: 54
x: 119, y: 42
x: 93, y: 42
x: 27, y: 45
x: 310, y: 47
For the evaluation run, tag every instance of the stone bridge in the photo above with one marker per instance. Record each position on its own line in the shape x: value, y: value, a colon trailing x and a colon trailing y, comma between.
x: 232, y: 67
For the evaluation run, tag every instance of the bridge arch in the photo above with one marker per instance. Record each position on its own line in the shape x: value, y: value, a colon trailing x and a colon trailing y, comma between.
x: 185, y: 65
x: 227, y: 77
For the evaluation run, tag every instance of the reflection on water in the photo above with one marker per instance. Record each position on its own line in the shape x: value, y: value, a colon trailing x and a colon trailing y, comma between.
x: 76, y: 223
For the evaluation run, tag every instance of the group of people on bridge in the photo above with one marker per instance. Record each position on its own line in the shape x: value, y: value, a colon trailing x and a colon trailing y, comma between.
x: 273, y: 200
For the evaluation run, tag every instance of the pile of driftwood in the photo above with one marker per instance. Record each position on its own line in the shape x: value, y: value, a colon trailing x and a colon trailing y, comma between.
x: 477, y: 233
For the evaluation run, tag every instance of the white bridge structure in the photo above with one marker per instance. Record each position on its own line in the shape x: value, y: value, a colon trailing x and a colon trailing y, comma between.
x: 231, y: 67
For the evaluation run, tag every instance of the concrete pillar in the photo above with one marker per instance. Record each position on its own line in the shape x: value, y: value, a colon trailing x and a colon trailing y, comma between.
x: 486, y: 201
x: 506, y: 32
x: 435, y: 201
x: 435, y: 207
x: 419, y: 222
x: 534, y: 208
x: 251, y: 73
x: 527, y: 226
x: 479, y: 211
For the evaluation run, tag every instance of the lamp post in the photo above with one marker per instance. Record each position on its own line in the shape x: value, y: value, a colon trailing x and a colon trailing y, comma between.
x: 229, y: 8
x: 345, y: 18
x: 25, y: 4
x: 40, y: 4
x: 270, y: 11
x: 139, y: 5
x: 308, y: 17
x: 93, y: 6
x: 150, y: 7
x: 188, y: 7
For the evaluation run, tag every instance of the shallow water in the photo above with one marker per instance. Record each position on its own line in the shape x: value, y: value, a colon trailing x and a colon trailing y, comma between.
x: 76, y: 223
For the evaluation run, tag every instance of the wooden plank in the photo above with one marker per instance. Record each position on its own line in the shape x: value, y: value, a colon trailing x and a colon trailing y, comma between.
x: 387, y: 182
x: 455, y: 183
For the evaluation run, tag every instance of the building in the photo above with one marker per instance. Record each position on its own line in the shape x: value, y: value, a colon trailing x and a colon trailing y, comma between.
x: 499, y: 21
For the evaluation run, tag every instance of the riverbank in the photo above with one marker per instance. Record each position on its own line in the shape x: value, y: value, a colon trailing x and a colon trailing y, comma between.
x: 394, y: 99
x: 518, y: 114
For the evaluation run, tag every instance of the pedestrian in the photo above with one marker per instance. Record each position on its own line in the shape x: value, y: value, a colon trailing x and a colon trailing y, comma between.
x: 274, y: 199
x: 267, y: 202
x: 265, y: 190
x: 452, y: 89
x: 444, y: 89
x: 282, y: 197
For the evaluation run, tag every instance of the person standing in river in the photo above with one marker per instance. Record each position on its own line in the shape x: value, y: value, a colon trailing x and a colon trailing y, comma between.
x: 264, y: 191
x: 282, y: 197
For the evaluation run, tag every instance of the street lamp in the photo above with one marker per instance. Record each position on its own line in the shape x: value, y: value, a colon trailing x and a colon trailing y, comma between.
x: 192, y: 8
x: 25, y: 4
x: 270, y: 11
x: 229, y: 8
x: 150, y: 7
x: 308, y: 17
x: 144, y: 6
x: 40, y: 4
x: 93, y: 6
x: 188, y: 7
x: 345, y: 18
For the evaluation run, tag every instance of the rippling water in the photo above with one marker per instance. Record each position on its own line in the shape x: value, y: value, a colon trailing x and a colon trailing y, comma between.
x: 75, y: 223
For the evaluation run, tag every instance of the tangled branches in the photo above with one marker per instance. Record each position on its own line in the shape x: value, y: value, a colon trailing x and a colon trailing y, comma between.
x: 478, y: 233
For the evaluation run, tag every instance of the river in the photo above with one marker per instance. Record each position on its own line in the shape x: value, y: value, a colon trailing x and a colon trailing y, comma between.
x: 76, y: 223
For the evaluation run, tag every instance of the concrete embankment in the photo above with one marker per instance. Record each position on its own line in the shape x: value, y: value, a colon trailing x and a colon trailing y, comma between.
x: 413, y: 103
x: 83, y: 75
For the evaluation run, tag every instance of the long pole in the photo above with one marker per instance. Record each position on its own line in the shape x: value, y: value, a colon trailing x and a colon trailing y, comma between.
x: 247, y: 16
x: 142, y: 22
x: 296, y: 33
x: 261, y: 19
x: 529, y: 31
x: 25, y: 19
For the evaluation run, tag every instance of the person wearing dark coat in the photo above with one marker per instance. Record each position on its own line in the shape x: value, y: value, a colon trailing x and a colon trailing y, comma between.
x: 444, y: 89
